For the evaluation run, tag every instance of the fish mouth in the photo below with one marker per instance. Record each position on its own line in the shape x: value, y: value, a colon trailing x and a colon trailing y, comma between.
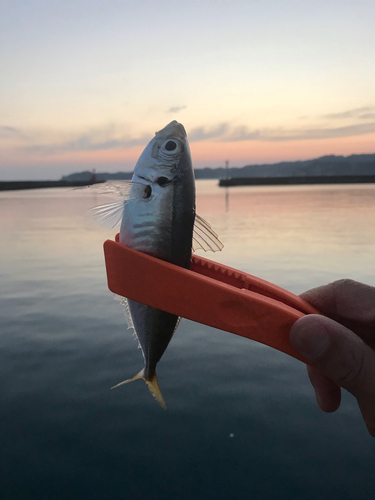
x: 149, y: 181
x: 173, y: 130
x: 163, y: 156
x: 161, y: 178
x: 157, y: 179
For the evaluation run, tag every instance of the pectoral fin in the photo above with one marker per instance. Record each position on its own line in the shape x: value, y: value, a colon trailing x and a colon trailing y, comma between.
x: 153, y: 386
x: 109, y: 215
x: 204, y: 236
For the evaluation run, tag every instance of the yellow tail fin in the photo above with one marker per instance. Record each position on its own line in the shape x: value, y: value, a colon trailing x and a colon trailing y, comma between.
x: 141, y: 374
x: 153, y: 386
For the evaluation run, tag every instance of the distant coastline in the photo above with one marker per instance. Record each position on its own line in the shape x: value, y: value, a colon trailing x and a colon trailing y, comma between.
x: 289, y: 181
x: 15, y: 185
x: 324, y: 170
x: 321, y: 169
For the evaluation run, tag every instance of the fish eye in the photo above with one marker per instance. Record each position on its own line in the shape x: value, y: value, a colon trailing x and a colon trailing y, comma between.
x: 172, y: 146
x: 147, y: 192
x: 162, y: 181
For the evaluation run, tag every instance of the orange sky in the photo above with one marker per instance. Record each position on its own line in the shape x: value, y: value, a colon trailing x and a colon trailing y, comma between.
x: 204, y: 153
x: 263, y: 82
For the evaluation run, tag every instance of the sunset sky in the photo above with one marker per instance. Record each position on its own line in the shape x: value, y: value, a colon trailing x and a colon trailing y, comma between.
x: 85, y: 84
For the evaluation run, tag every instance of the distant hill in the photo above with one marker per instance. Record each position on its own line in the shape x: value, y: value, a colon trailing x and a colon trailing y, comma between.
x: 324, y: 166
x: 105, y: 176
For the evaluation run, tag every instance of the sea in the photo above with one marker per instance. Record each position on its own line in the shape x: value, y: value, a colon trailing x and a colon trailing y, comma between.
x: 242, y: 421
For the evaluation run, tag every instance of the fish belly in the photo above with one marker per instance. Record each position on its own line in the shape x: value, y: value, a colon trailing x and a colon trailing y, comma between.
x: 154, y: 329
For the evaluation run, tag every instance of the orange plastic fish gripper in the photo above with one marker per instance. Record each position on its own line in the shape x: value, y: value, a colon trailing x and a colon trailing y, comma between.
x: 208, y: 293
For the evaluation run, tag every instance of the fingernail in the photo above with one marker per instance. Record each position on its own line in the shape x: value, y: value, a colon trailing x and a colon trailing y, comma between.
x: 309, y: 339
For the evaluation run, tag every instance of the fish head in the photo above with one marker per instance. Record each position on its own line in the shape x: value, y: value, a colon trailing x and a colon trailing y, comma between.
x: 159, y: 218
x: 166, y: 158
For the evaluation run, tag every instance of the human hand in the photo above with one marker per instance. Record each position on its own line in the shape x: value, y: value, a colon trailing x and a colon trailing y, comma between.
x: 341, y: 349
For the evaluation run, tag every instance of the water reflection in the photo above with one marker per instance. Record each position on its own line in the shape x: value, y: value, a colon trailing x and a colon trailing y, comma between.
x: 64, y: 343
x: 318, y: 229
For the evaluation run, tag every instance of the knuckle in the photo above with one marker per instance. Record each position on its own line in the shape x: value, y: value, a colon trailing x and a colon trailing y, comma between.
x: 343, y: 284
x: 353, y: 375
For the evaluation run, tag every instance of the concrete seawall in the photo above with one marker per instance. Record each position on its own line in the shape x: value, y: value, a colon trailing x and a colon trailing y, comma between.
x: 14, y: 185
x: 285, y: 181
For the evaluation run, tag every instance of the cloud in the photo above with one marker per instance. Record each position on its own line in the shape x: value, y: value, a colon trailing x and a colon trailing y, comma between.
x: 227, y: 133
x: 6, y: 131
x: 202, y: 133
x: 282, y: 135
x: 111, y: 138
x: 367, y: 116
x: 176, y: 109
x: 86, y: 143
x: 365, y: 112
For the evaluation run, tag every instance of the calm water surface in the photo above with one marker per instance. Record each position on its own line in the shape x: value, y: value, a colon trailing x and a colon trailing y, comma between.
x: 241, y: 420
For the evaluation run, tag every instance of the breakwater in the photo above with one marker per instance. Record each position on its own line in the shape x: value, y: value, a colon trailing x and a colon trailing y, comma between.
x: 294, y: 180
x: 15, y: 185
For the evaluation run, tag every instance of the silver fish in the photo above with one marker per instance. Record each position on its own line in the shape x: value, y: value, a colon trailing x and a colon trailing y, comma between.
x: 157, y: 213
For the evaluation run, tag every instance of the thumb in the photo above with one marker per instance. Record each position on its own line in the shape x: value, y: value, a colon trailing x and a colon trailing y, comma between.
x: 340, y: 355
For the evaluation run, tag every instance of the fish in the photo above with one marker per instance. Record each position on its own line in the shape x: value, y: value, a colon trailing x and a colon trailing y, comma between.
x: 156, y: 213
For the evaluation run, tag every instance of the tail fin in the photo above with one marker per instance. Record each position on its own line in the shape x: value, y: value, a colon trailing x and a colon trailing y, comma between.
x: 153, y: 386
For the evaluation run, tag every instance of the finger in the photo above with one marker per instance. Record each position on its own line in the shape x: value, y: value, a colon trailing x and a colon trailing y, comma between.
x: 345, y: 299
x: 342, y: 356
x: 327, y: 392
x: 350, y: 303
